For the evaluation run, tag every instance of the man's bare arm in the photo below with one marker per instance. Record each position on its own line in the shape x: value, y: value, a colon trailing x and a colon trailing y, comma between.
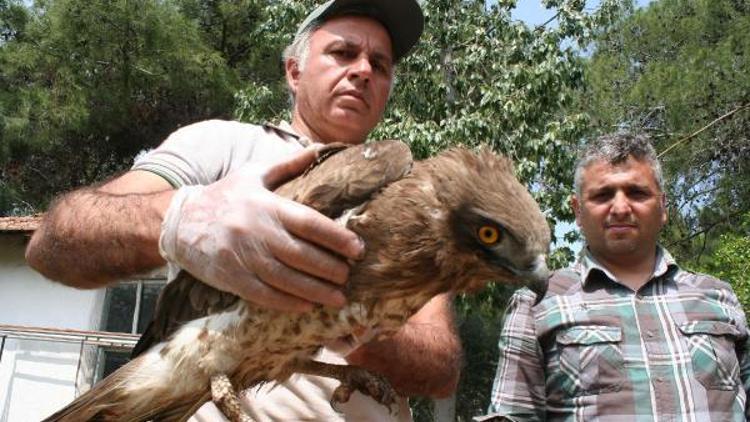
x: 96, y: 235
x: 423, y: 358
x: 234, y: 234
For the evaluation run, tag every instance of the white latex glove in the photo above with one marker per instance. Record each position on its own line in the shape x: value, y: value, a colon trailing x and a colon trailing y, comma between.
x: 238, y: 236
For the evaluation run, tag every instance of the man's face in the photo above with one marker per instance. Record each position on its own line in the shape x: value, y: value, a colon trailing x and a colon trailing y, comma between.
x: 342, y: 88
x: 621, y: 210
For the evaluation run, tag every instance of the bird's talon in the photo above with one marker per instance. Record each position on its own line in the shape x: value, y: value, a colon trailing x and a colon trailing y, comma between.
x: 373, y: 385
x: 340, y: 395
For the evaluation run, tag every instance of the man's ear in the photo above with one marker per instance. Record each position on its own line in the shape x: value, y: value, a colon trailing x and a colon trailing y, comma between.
x: 293, y: 72
x: 664, y: 215
x: 576, y: 206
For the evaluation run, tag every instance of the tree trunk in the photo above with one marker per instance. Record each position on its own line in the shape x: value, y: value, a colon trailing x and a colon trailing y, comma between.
x: 445, y: 409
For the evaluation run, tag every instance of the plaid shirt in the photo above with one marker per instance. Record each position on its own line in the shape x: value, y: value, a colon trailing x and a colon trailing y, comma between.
x: 676, y: 350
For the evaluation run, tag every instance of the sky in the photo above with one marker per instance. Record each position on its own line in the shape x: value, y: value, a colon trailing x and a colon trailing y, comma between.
x: 532, y: 11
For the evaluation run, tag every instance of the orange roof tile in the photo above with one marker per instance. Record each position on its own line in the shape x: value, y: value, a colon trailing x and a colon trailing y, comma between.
x: 27, y: 223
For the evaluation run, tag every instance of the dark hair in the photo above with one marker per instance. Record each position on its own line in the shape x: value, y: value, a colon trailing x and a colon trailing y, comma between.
x: 615, y: 149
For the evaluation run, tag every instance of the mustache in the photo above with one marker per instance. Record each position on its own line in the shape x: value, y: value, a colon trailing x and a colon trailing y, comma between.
x: 627, y: 222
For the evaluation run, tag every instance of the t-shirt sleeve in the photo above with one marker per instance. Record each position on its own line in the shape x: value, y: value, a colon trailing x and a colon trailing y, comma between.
x: 201, y: 153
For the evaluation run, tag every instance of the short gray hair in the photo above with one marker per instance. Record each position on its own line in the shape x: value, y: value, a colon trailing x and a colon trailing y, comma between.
x: 300, y: 46
x: 298, y: 50
x: 615, y: 149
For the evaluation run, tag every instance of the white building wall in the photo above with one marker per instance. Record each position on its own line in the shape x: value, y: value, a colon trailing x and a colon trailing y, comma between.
x: 38, y: 377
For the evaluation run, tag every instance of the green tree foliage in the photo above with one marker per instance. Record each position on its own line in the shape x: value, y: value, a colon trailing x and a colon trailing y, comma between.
x: 478, y: 77
x: 237, y: 31
x: 13, y: 18
x: 731, y: 260
x: 267, y: 99
x: 672, y: 70
x: 87, y: 84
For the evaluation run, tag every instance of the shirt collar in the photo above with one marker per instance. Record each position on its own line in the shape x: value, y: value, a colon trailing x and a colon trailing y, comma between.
x: 586, y: 263
x: 286, y: 129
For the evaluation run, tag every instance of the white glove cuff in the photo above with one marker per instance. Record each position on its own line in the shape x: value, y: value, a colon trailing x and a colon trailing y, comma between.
x: 170, y: 224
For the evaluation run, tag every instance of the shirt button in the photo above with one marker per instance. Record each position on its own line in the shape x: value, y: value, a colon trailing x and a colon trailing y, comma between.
x: 660, y: 379
x: 650, y: 334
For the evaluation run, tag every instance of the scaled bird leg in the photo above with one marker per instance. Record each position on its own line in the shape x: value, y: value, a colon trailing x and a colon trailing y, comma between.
x: 225, y: 398
x: 352, y: 378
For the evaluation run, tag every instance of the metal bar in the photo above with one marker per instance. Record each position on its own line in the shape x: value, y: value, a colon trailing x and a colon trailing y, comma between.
x: 2, y: 348
x: 137, y: 311
x: 24, y: 328
x: 97, y: 362
x: 122, y: 341
x: 66, y: 339
x: 111, y: 341
x: 78, y: 368
x: 125, y: 345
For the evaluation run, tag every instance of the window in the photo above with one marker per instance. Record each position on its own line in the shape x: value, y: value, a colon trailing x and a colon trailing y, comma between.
x: 128, y: 308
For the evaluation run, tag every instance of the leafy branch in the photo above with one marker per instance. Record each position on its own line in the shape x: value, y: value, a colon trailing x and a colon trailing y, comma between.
x: 703, y: 129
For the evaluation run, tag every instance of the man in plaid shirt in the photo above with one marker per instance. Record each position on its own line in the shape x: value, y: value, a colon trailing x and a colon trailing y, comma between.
x: 625, y: 334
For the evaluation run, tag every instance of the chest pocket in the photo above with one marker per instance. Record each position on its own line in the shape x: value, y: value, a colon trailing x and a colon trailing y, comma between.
x: 590, y: 359
x: 712, y: 350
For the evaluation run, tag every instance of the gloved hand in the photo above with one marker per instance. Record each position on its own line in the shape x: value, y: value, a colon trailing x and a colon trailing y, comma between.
x: 238, y: 236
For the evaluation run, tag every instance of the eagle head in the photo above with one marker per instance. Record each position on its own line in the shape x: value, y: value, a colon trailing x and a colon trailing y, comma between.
x: 497, y: 229
x: 455, y: 222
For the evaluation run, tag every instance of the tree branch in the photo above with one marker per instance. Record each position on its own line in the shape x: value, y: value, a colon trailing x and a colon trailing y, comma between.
x: 701, y: 130
x: 688, y: 199
x: 706, y: 229
x: 540, y: 27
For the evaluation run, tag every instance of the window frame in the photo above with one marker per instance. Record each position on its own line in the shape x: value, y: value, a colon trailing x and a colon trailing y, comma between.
x: 141, y: 283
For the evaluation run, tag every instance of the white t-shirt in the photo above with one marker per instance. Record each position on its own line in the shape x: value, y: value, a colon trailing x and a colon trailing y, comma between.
x: 202, y: 153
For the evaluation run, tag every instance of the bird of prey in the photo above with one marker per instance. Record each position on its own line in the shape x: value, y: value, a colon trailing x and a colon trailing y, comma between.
x: 451, y: 223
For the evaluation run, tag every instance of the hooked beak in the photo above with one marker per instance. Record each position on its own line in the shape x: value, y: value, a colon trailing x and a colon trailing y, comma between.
x: 536, y: 276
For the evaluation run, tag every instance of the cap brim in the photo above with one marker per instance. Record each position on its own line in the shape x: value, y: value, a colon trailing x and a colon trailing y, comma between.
x: 402, y: 18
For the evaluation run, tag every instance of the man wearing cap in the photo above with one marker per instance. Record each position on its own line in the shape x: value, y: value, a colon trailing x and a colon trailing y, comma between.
x: 203, y: 201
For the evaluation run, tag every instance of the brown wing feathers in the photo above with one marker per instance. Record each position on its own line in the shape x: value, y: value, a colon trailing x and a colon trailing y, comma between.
x: 412, y: 254
x: 341, y: 178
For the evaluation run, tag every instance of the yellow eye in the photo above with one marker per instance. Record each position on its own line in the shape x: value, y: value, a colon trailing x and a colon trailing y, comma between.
x: 488, y: 235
